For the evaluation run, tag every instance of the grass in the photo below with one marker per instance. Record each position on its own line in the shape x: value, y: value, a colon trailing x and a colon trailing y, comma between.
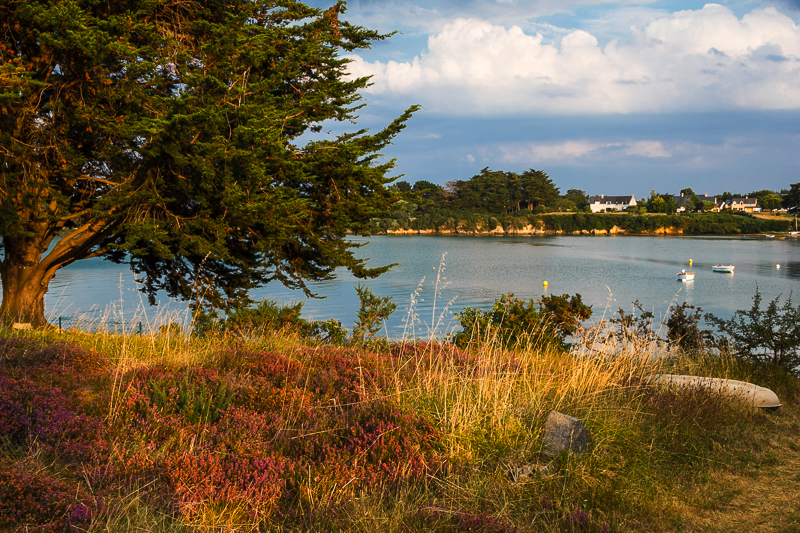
x: 170, y: 432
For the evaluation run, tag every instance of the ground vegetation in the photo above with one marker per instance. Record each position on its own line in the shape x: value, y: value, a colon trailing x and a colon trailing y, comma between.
x: 270, y: 429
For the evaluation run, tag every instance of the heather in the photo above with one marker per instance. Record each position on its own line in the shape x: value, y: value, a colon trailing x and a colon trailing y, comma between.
x: 274, y: 430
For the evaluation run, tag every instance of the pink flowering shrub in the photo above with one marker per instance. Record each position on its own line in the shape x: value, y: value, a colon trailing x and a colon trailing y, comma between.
x: 32, y: 499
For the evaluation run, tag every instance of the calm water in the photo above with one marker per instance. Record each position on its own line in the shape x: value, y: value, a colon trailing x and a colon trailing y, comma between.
x: 609, y: 272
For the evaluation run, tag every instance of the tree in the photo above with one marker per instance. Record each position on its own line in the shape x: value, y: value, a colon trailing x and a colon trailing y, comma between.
x: 770, y: 202
x: 770, y: 336
x: 688, y: 192
x: 579, y: 197
x: 426, y: 189
x: 176, y: 136
x: 792, y: 199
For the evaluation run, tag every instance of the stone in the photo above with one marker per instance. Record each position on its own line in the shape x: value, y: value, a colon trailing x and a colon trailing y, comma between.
x: 22, y: 325
x: 523, y: 473
x: 563, y: 432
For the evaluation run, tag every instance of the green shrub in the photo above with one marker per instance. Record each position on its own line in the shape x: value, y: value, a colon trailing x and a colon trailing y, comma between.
x: 373, y: 311
x: 769, y: 336
x: 512, y: 321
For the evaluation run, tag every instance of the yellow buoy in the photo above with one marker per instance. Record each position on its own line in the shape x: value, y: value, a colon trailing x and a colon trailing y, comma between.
x: 544, y: 283
x: 690, y: 261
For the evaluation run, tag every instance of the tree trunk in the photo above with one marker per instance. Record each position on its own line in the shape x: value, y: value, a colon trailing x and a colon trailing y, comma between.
x: 25, y: 279
x: 23, y: 295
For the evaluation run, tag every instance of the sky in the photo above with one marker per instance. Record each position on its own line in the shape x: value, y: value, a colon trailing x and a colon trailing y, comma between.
x: 611, y: 98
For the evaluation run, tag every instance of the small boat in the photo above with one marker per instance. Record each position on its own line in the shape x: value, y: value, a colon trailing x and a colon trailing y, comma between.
x: 723, y: 268
x: 768, y: 236
x: 730, y: 388
x: 685, y: 276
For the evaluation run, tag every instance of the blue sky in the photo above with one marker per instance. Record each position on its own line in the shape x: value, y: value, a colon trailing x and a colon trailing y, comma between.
x: 608, y: 97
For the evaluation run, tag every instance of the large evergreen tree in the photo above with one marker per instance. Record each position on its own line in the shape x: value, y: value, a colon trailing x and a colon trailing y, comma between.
x: 185, y: 138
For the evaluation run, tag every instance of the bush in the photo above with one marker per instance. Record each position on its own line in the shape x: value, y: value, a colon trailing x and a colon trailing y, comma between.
x: 513, y: 321
x: 684, y: 328
x: 372, y: 313
x: 770, y: 336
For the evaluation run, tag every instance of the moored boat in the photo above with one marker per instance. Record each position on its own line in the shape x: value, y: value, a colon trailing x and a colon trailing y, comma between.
x: 723, y: 268
x: 685, y: 276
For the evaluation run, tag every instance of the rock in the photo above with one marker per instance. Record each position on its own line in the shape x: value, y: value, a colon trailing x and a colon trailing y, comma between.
x: 22, y: 325
x: 524, y: 473
x: 562, y: 432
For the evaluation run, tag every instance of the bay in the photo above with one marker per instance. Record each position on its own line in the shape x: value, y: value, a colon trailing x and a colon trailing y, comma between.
x: 449, y: 273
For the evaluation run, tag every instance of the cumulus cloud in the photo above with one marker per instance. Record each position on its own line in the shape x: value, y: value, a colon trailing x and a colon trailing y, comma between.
x: 573, y: 150
x: 706, y: 59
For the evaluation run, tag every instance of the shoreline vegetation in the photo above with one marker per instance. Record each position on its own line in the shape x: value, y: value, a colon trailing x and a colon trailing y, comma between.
x: 473, y: 224
x: 267, y: 423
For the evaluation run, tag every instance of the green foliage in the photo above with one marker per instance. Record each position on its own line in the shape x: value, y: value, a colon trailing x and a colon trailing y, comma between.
x: 173, y: 136
x: 564, y: 313
x: 633, y: 328
x: 196, y: 402
x: 511, y: 321
x: 771, y: 335
x: 267, y: 315
x: 270, y: 316
x: 770, y: 202
x: 501, y: 192
x: 683, y: 328
x: 791, y: 201
x: 661, y: 203
x: 373, y: 311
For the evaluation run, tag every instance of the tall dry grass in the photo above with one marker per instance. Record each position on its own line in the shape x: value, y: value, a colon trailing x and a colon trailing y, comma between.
x: 489, y: 404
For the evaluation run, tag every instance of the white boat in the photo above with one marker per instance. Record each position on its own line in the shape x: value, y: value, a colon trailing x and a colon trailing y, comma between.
x: 768, y: 236
x: 723, y: 268
x: 685, y: 276
x: 731, y: 388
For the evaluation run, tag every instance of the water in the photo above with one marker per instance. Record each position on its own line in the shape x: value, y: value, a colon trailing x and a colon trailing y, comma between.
x: 609, y: 272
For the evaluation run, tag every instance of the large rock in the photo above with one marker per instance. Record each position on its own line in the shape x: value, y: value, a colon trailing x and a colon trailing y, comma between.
x: 563, y: 432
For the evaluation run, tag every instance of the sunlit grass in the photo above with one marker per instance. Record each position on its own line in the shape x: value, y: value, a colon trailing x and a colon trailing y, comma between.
x: 658, y: 460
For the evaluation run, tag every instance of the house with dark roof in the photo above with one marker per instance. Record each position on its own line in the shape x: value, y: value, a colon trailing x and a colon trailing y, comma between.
x: 603, y: 203
x: 749, y: 205
x: 683, y: 199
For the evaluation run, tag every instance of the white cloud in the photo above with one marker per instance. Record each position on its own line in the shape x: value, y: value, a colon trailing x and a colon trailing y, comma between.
x: 647, y: 149
x: 572, y: 150
x: 703, y: 59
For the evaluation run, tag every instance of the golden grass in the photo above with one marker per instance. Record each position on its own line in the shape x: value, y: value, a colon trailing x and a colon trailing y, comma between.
x: 490, y: 412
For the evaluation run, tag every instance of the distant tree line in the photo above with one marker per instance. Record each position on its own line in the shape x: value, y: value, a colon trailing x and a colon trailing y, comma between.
x: 508, y: 200
x: 489, y: 192
x: 500, y: 193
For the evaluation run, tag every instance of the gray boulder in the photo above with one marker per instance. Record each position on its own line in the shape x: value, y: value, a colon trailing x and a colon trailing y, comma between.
x: 563, y: 432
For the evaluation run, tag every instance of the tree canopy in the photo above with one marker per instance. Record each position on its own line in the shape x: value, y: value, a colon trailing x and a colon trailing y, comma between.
x: 791, y: 201
x: 185, y: 138
x: 501, y: 192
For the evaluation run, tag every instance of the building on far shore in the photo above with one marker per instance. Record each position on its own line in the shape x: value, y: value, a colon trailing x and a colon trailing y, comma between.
x: 603, y: 203
x: 748, y: 205
x: 681, y: 201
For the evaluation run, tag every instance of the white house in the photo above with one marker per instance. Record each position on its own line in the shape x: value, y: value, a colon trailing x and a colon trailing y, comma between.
x: 749, y: 205
x: 603, y: 203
